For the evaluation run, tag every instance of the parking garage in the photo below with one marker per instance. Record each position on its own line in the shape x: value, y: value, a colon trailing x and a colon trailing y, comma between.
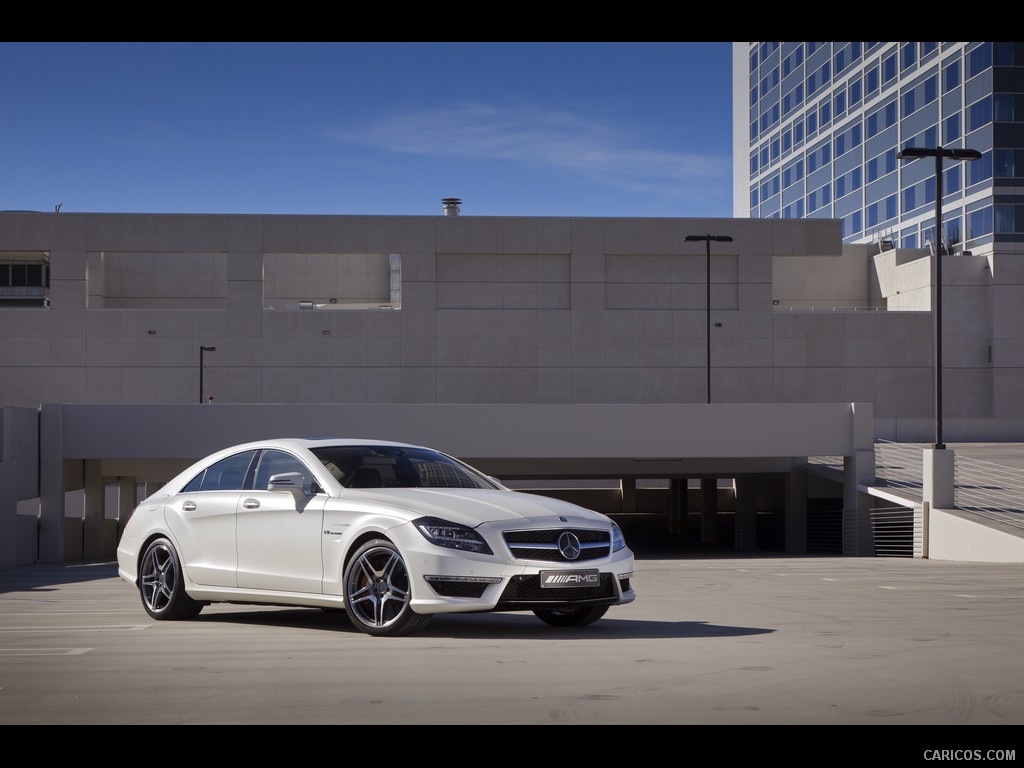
x: 685, y: 477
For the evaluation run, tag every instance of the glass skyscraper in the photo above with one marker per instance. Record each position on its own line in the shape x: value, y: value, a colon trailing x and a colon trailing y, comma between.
x: 818, y: 128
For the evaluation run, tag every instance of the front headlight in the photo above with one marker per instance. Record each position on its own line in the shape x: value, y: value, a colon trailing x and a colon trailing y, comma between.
x: 618, y: 541
x: 452, y: 535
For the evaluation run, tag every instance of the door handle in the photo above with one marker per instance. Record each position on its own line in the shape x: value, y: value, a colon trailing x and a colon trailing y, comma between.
x: 189, y: 506
x: 250, y: 504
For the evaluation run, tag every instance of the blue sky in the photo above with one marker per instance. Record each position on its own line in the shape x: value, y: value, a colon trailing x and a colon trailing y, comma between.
x: 559, y: 129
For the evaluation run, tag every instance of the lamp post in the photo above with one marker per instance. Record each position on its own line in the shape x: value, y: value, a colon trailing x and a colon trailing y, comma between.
x: 202, y: 351
x: 939, y: 153
x: 707, y: 304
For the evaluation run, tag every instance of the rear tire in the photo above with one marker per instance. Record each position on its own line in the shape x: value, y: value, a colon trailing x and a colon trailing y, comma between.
x: 162, y: 584
x: 572, y: 617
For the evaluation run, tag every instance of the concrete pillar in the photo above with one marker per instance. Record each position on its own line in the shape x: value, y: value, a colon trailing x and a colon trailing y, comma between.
x: 627, y: 490
x: 125, y: 501
x: 938, y: 477
x: 8, y: 498
x: 746, y: 513
x: 859, y: 468
x: 95, y: 494
x: 73, y: 522
x: 796, y: 511
x: 677, y: 506
x: 858, y: 539
x: 19, y: 483
x: 709, y: 510
x: 922, y: 523
x: 51, y: 485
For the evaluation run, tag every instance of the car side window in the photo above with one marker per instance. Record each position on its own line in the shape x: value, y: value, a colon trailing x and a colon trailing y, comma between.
x: 227, y: 474
x: 195, y: 484
x: 276, y: 463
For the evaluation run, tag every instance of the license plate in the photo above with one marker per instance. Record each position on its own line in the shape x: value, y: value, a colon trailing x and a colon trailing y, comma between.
x: 567, y: 579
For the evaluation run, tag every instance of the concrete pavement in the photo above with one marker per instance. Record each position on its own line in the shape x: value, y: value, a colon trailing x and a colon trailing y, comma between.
x: 709, y: 641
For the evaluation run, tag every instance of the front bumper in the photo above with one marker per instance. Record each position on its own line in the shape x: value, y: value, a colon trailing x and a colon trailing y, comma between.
x: 460, y: 582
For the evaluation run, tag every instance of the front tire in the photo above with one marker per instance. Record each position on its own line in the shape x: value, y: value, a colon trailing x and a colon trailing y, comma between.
x: 378, y: 591
x: 162, y: 584
x: 572, y: 617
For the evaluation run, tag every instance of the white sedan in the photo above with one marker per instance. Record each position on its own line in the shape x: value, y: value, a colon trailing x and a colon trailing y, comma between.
x: 388, y: 532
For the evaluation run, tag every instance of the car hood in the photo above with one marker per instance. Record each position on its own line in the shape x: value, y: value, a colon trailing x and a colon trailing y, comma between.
x: 473, y: 507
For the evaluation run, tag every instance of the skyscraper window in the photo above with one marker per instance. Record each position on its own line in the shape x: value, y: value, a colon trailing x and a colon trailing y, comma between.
x: 861, y: 103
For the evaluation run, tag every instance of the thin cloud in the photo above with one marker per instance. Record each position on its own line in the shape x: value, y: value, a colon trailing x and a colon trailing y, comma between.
x: 543, y: 138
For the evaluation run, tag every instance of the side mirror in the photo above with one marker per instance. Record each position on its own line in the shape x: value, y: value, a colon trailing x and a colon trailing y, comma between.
x: 294, y: 483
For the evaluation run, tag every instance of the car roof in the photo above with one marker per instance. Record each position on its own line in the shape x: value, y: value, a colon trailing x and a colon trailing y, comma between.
x: 306, y: 443
x: 314, y: 442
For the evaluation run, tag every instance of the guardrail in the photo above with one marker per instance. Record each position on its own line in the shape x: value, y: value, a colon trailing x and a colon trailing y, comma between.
x: 988, y: 489
x: 983, y: 487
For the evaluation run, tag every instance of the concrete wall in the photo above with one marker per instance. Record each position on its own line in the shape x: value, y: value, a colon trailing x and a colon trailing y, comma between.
x: 922, y: 430
x: 1007, y: 317
x: 169, y: 280
x: 822, y: 282
x: 534, y: 433
x: 498, y: 310
x: 954, y: 536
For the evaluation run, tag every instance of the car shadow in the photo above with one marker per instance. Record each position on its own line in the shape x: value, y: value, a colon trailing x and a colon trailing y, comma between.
x: 42, y: 577
x: 504, y: 626
x: 48, y: 577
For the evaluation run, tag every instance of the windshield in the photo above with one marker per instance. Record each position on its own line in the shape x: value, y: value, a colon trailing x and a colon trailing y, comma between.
x: 386, y: 466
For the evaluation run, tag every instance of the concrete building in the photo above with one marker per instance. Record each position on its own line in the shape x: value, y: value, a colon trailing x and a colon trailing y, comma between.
x: 818, y: 130
x: 493, y: 310
x: 155, y: 339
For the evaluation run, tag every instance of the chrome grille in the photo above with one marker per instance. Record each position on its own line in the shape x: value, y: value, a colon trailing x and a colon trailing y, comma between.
x: 542, y: 544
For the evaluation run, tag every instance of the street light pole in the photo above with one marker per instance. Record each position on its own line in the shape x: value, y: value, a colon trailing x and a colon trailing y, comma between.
x: 202, y: 351
x: 939, y: 153
x: 707, y: 301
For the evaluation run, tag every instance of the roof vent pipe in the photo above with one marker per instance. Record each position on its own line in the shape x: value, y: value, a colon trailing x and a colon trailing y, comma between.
x: 451, y: 205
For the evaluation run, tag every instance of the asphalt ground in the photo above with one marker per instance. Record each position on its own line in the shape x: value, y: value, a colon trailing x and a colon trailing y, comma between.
x: 932, y: 647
